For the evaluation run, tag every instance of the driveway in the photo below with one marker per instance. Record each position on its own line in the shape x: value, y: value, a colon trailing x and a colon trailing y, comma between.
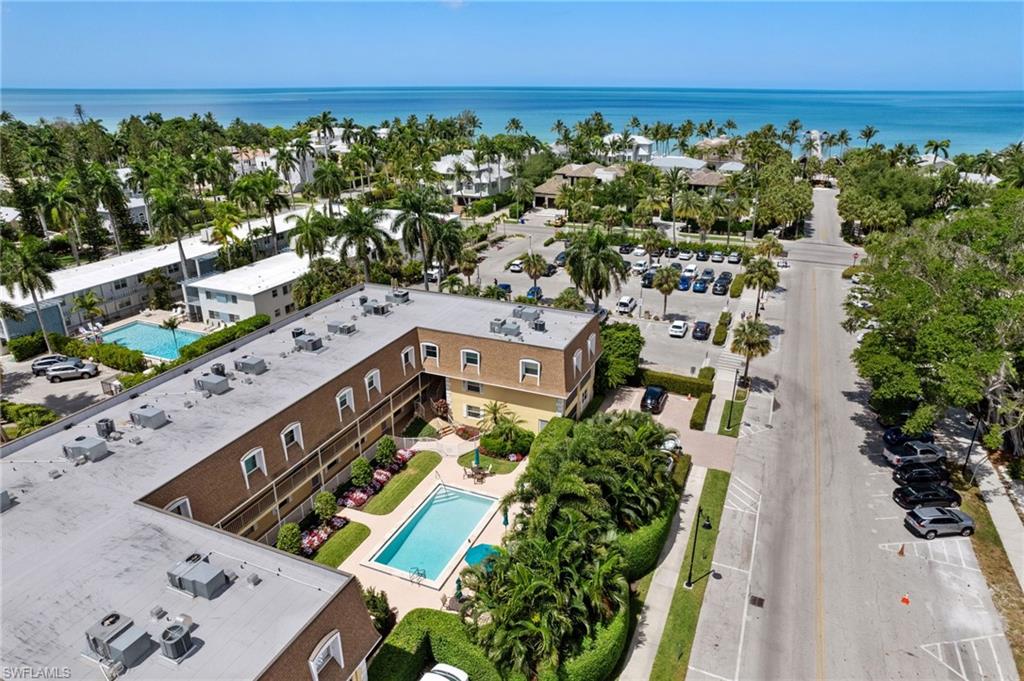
x: 67, y: 397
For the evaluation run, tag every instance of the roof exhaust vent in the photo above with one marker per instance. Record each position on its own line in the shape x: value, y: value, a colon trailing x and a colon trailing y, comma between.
x: 115, y: 637
x: 496, y: 324
x: 211, y: 383
x: 105, y: 428
x: 218, y: 369
x: 375, y: 307
x: 250, y: 364
x: 148, y: 416
x: 86, y: 447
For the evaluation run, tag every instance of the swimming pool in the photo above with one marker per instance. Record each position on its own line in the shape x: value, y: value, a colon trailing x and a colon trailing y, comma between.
x: 151, y: 339
x: 432, y: 541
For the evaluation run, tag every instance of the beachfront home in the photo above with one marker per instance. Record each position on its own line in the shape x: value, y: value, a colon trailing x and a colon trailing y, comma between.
x: 263, y: 287
x: 979, y: 178
x: 467, y: 181
x: 247, y: 161
x: 568, y: 175
x: 933, y: 162
x: 717, y: 151
x: 706, y: 180
x: 685, y: 163
x: 637, y: 148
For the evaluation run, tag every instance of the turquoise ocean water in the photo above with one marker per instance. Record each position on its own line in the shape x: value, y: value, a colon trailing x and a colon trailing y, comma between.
x: 972, y: 120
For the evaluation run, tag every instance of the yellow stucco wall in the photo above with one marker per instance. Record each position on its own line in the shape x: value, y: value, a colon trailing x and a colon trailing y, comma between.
x: 530, y: 407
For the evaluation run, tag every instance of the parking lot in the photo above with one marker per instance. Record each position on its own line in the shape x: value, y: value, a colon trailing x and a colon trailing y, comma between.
x: 67, y: 397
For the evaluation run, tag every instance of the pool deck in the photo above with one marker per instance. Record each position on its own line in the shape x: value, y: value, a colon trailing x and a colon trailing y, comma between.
x: 403, y: 594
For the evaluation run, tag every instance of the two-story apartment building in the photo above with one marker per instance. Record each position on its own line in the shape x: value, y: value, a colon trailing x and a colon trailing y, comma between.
x: 263, y: 287
x: 466, y: 180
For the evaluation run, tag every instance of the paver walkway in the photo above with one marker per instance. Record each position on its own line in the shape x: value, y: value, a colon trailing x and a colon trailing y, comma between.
x: 1004, y: 517
x: 654, y: 614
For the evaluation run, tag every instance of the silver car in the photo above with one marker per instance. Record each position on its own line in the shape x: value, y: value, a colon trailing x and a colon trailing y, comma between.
x: 915, y: 452
x: 41, y: 364
x: 931, y: 522
x: 71, y: 369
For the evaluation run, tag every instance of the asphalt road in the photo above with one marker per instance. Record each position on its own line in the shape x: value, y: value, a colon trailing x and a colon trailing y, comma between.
x: 811, y: 529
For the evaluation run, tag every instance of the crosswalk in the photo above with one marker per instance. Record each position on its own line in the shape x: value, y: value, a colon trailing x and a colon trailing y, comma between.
x: 728, y: 362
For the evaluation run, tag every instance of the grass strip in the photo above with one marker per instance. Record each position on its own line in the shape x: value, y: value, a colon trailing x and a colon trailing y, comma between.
x: 398, y: 488
x: 732, y: 418
x: 673, y: 656
x: 341, y: 544
x: 501, y: 466
x: 419, y: 428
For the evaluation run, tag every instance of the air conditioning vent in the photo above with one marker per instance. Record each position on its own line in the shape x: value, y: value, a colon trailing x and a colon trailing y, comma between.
x: 105, y: 428
x: 530, y: 314
x: 375, y: 307
x: 175, y: 642
x: 218, y: 369
x: 496, y: 325
x: 517, y: 311
x: 210, y: 383
x: 196, y: 576
x: 539, y: 325
x: 397, y: 297
x: 309, y: 343
x: 86, y: 447
x: 250, y: 364
x: 148, y: 416
x: 115, y: 637
x: 347, y: 328
x: 510, y: 328
x: 298, y: 331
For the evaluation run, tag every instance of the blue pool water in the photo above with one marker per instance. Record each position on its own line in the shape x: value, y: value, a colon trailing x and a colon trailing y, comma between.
x: 435, y: 533
x: 151, y: 339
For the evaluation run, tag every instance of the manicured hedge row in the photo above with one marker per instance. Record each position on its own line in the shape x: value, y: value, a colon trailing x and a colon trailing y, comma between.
x: 852, y: 270
x: 699, y: 418
x: 722, y: 328
x: 674, y: 383
x: 24, y: 347
x: 424, y: 636
x: 641, y: 547
x: 599, y: 656
x: 707, y: 374
x: 736, y: 287
x: 109, y: 354
x: 553, y: 434
x: 219, y: 338
x: 15, y: 412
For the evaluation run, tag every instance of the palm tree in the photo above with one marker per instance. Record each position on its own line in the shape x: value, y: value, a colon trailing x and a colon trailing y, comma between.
x: 494, y: 413
x: 445, y: 241
x: 285, y: 162
x: 769, y: 246
x: 650, y: 239
x: 24, y: 271
x: 665, y: 280
x: 169, y: 208
x: 452, y: 284
x: 89, y: 304
x: 468, y: 262
x: 358, y: 232
x: 110, y: 192
x: 688, y: 206
x: 328, y: 182
x: 867, y: 133
x: 171, y: 324
x: 761, y: 274
x: 270, y: 201
x: 226, y: 219
x: 63, y: 204
x: 534, y: 265
x: 593, y: 266
x: 843, y: 140
x: 673, y: 184
x: 311, y: 232
x: 418, y: 208
x: 323, y: 124
x: 751, y: 338
x: 11, y: 311
x: 494, y: 292
x: 936, y: 148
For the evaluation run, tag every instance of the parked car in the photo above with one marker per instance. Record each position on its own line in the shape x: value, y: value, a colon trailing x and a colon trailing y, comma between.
x: 534, y: 293
x: 560, y: 258
x: 726, y: 276
x: 720, y: 287
x: 671, y: 445
x: 690, y: 271
x: 550, y: 270
x: 626, y: 249
x: 684, y: 283
x: 654, y: 399
x: 708, y: 274
x: 658, y: 252
x: 41, y: 364
x: 915, y: 452
x: 647, y: 281
x: 445, y: 672
x: 671, y: 252
x: 701, y: 331
x: 71, y: 369
x: 913, y: 473
x: 932, y: 522
x: 686, y: 255
x: 677, y: 266
x: 717, y: 257
x: 702, y: 255
x: 895, y: 437
x: 734, y: 258
x: 625, y: 305
x: 639, y: 267
x: 926, y: 494
x: 516, y: 266
x: 678, y: 329
x: 700, y: 286
x: 640, y: 251
x: 434, y: 273
x: 507, y: 288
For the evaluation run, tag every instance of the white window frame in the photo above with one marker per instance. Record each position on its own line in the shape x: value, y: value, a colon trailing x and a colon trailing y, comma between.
x: 372, y: 376
x: 522, y: 370
x: 329, y: 648
x: 350, y: 398
x: 479, y: 359
x: 180, y: 503
x: 423, y: 353
x: 297, y: 428
x: 577, y: 361
x: 261, y: 463
x: 479, y: 409
x: 592, y: 344
x: 408, y: 353
x: 479, y: 387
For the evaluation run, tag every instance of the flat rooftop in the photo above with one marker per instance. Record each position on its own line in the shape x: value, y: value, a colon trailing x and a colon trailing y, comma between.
x: 77, y: 546
x: 257, y: 277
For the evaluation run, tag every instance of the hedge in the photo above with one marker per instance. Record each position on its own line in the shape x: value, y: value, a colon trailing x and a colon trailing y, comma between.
x: 110, y: 354
x: 707, y: 374
x: 721, y: 331
x: 218, y: 338
x: 24, y: 347
x: 642, y: 546
x: 699, y: 418
x: 494, y: 445
x: 600, y: 654
x: 852, y: 270
x: 554, y: 433
x: 674, y: 383
x: 736, y: 287
x: 15, y: 412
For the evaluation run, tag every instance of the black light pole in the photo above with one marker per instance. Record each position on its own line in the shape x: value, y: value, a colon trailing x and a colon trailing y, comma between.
x: 735, y: 381
x: 974, y: 436
x: 693, y: 549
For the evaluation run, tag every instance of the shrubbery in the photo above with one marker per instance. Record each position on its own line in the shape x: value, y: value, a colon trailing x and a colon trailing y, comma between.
x: 109, y: 354
x: 482, y: 207
x: 504, y: 439
x: 386, y: 450
x: 380, y: 610
x: 707, y: 374
x: 554, y: 434
x: 674, y: 383
x: 699, y: 418
x: 362, y: 472
x: 641, y: 547
x: 722, y: 328
x: 219, y: 338
x: 621, y: 344
x: 289, y: 538
x: 24, y: 347
x: 736, y: 287
x: 852, y: 270
x: 600, y: 654
x: 325, y: 505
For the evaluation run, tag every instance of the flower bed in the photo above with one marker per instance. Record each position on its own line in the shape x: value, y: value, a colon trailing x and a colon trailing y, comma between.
x: 467, y: 432
x: 313, y: 539
x: 356, y: 497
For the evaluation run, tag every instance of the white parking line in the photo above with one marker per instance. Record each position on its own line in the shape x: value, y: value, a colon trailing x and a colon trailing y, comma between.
x: 935, y: 650
x: 999, y: 667
x: 888, y: 517
x: 730, y: 507
x: 930, y: 550
x: 750, y: 575
x: 729, y: 567
x: 977, y: 659
x: 707, y: 673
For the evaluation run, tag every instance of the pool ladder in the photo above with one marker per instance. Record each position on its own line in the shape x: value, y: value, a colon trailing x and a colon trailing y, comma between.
x: 441, y: 480
x: 419, y: 574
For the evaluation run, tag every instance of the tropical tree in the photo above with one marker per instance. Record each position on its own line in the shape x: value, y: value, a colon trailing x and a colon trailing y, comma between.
x: 110, y: 192
x: 534, y: 265
x: 665, y: 280
x: 495, y: 413
x: 673, y: 184
x: 418, y: 209
x: 324, y: 278
x: 569, y: 299
x: 593, y: 266
x: 867, y: 133
x: 651, y: 240
x: 270, y: 200
x: 446, y: 241
x: 169, y: 209
x: 285, y: 163
x: 328, y: 182
x: 159, y: 284
x: 467, y: 263
x: 310, y: 233
x: 769, y: 246
x: 751, y: 338
x: 226, y: 219
x: 358, y: 233
x: 24, y: 271
x: 89, y: 304
x: 323, y: 124
x: 172, y: 324
x: 451, y: 284
x: 63, y: 205
x: 494, y: 292
x: 937, y: 148
x: 761, y: 274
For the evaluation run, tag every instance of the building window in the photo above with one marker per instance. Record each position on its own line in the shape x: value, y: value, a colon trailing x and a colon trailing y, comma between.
x: 474, y: 412
x: 471, y: 360
x: 430, y: 351
x: 408, y: 359
x: 277, y: 312
x: 209, y: 295
x: 346, y: 400
x: 529, y: 369
x: 284, y: 290
x: 328, y: 650
x: 592, y: 344
x: 291, y: 437
x: 472, y: 387
x: 577, y: 361
x: 372, y: 381
x: 127, y: 302
x: 289, y: 308
x: 180, y: 507
x: 120, y: 284
x: 252, y: 462
x: 273, y: 293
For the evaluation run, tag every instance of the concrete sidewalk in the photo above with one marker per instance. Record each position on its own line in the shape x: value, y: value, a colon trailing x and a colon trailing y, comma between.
x: 654, y: 614
x: 1004, y: 516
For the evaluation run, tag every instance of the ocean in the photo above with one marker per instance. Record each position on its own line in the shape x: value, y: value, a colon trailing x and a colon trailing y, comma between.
x: 973, y: 121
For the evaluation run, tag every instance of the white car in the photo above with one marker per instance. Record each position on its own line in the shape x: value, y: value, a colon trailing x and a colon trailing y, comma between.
x: 690, y: 271
x: 639, y: 251
x: 686, y: 255
x: 782, y: 263
x: 678, y: 329
x: 639, y: 267
x: 734, y: 258
x: 625, y: 305
x: 445, y: 672
x: 434, y: 274
x: 653, y: 266
x: 671, y: 444
x: 516, y: 266
x: 717, y: 257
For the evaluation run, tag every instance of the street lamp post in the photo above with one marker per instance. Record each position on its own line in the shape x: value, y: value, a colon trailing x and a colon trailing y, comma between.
x: 693, y: 550
x: 735, y: 382
x: 970, y: 448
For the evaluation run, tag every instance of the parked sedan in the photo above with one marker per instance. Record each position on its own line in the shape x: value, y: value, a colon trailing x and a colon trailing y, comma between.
x: 535, y: 293
x: 71, y: 369
x: 700, y: 286
x: 717, y: 256
x: 640, y: 251
x: 647, y: 281
x: 639, y: 267
x: 671, y: 252
x: 654, y: 399
x: 625, y: 305
x: 686, y: 255
x: 914, y: 473
x: 926, y: 494
x: 895, y: 437
x: 626, y: 249
x: 702, y: 255
x: 516, y: 266
x: 549, y: 270
x: 708, y: 274
x: 684, y: 283
x: 725, y: 276
x: 931, y: 522
x: 701, y: 331
x: 734, y: 258
x: 678, y: 329
x: 41, y: 364
x: 915, y: 452
x: 560, y: 258
x: 720, y: 288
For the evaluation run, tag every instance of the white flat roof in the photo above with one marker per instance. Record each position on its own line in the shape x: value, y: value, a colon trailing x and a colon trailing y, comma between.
x: 257, y: 277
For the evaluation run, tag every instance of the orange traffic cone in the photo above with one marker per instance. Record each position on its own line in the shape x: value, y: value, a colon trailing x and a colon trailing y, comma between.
x: 905, y: 600
x: 900, y: 552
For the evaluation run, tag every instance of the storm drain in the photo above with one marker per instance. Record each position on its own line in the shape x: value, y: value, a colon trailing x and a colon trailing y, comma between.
x: 757, y: 601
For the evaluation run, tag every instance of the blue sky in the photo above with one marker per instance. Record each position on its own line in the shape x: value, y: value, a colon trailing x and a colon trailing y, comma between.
x: 904, y: 45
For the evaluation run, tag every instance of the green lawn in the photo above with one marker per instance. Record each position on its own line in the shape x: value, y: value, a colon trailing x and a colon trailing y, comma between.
x: 673, y: 656
x: 341, y: 544
x: 398, y: 488
x: 501, y: 466
x: 419, y: 428
x: 731, y: 426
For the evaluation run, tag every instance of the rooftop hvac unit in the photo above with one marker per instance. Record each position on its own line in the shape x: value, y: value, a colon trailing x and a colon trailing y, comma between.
x: 211, y: 383
x: 496, y: 325
x: 148, y: 416
x: 362, y: 300
x: 517, y: 311
x: 309, y: 342
x: 250, y: 364
x: 397, y: 297
x: 175, y: 642
x: 115, y: 637
x: 335, y: 326
x: 86, y: 447
x: 298, y: 331
x: 539, y: 325
x: 217, y: 369
x: 510, y: 328
x: 346, y: 328
x: 195, y: 575
x: 530, y: 314
x: 5, y: 500
x: 375, y: 307
x: 104, y: 428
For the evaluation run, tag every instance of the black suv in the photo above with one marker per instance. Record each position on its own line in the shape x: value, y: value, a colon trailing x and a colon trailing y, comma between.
x: 913, y: 473
x: 624, y: 249
x: 671, y: 252
x: 702, y: 255
x: 647, y: 281
x: 926, y: 494
x: 720, y: 288
x: 701, y: 331
x: 654, y: 399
